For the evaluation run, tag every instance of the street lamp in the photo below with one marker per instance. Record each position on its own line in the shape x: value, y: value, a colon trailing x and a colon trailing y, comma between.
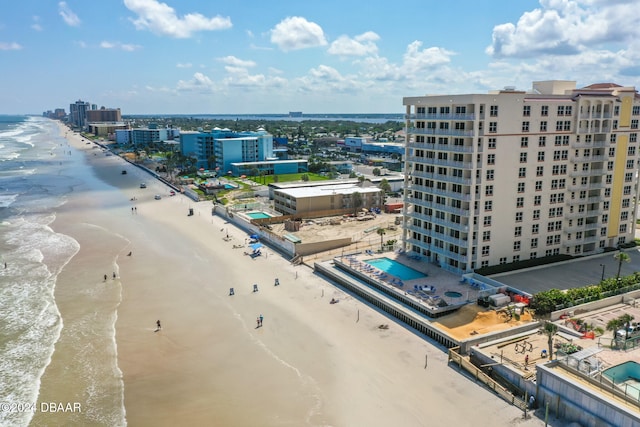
x: 602, y: 265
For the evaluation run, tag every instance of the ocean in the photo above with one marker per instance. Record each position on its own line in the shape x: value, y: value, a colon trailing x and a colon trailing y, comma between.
x: 38, y: 175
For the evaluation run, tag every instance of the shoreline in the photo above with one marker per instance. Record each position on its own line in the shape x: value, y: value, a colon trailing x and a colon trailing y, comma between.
x: 311, y: 363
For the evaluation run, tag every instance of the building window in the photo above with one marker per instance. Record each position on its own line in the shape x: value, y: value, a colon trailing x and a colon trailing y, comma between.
x: 503, y: 260
x: 485, y: 250
x: 539, y: 170
x: 558, y: 125
x: 488, y: 205
x: 538, y: 185
x: 521, y: 187
x: 518, y: 216
x: 517, y: 232
x: 523, y: 157
x: 542, y: 141
x: 491, y: 143
x: 486, y: 236
x: 536, y: 214
x: 488, y: 191
x: 543, y: 126
x: 516, y: 245
x: 537, y: 200
x: 534, y: 243
x: 487, y: 221
x: 493, y: 127
x: 493, y: 111
x: 535, y: 228
x: 541, y: 156
x: 520, y: 202
x: 544, y: 110
x: 490, y: 174
x: 634, y: 124
x: 525, y: 126
x: 524, y: 142
x: 526, y: 110
x: 633, y: 137
x: 522, y: 173
x: 491, y: 159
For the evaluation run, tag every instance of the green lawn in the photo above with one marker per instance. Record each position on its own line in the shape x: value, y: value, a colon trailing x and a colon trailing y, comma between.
x: 268, y: 179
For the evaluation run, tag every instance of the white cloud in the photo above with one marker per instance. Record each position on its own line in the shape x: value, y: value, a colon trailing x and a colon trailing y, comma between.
x: 295, y: 33
x: 416, y: 60
x: 36, y: 23
x: 361, y: 45
x: 199, y: 83
x: 566, y: 27
x: 67, y: 14
x: 237, y: 62
x: 184, y: 65
x: 10, y: 46
x: 161, y: 19
x: 119, y: 46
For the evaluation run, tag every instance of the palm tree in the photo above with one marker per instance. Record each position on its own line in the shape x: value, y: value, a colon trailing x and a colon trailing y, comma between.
x: 381, y: 232
x: 357, y: 202
x: 550, y: 329
x: 621, y: 257
x: 613, y: 325
x: 626, y: 319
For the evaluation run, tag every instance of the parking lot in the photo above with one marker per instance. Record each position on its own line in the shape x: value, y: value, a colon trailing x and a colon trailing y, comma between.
x: 570, y: 274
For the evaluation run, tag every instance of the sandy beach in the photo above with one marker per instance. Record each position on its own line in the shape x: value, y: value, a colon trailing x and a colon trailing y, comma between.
x: 311, y: 362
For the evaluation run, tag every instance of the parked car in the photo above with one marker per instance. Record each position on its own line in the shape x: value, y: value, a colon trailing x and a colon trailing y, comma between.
x: 631, y: 330
x: 172, y: 193
x: 124, y: 172
x: 157, y: 197
x: 143, y: 185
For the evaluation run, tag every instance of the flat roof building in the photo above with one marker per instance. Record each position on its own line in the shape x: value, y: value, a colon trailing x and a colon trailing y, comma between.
x: 512, y: 175
x: 342, y: 198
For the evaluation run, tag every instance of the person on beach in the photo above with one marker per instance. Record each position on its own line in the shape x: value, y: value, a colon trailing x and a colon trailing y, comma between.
x: 261, y: 318
x: 129, y: 254
x: 258, y: 322
x: 105, y: 277
x: 114, y: 275
x: 158, y: 326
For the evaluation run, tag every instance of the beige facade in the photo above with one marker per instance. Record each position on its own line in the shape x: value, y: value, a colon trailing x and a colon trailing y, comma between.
x: 307, y: 200
x: 512, y: 175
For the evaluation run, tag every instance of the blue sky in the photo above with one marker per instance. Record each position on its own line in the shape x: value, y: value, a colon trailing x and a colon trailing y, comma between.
x: 243, y: 57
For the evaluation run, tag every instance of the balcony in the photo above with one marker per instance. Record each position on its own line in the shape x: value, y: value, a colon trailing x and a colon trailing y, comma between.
x: 439, y: 162
x: 442, y: 132
x: 447, y: 117
x: 588, y: 159
x: 590, y: 172
x: 441, y: 147
x: 443, y: 178
x: 596, y: 144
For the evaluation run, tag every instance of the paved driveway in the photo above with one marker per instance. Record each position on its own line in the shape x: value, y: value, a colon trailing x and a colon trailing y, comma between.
x: 570, y: 274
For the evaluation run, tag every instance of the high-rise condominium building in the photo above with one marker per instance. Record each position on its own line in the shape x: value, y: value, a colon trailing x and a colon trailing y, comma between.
x: 513, y: 175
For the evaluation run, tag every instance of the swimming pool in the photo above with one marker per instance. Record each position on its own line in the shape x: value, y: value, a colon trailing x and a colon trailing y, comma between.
x: 394, y: 268
x: 627, y: 376
x: 258, y: 215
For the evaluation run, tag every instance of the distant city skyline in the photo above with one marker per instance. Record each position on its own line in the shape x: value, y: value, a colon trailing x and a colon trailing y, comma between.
x: 193, y: 57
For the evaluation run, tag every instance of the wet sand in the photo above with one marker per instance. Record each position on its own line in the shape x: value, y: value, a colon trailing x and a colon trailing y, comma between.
x: 311, y: 363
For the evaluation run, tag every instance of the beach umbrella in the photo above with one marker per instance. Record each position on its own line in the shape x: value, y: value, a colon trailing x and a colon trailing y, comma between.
x: 256, y: 246
x: 254, y: 236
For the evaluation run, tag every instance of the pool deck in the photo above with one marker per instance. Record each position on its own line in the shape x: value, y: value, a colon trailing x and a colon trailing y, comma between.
x: 437, y: 281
